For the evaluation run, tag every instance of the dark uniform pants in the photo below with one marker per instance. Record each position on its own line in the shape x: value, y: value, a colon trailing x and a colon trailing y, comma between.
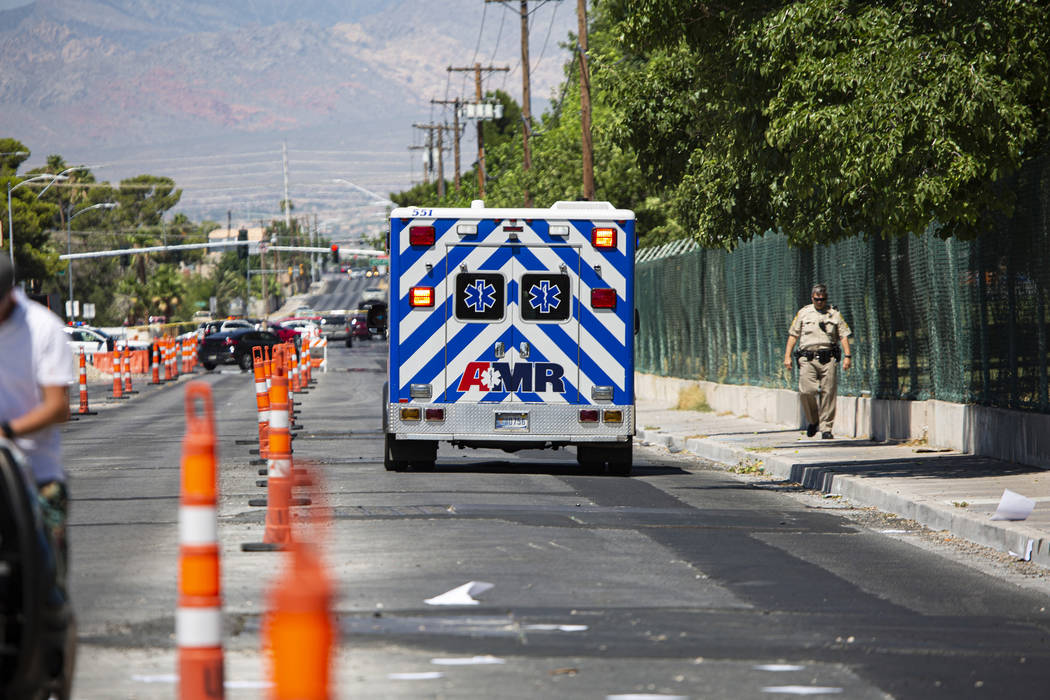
x: 815, y: 376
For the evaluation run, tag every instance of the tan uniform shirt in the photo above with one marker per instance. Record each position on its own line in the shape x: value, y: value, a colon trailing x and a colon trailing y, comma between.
x: 815, y: 329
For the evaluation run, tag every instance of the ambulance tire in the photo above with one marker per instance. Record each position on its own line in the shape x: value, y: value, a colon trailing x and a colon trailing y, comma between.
x: 389, y: 456
x: 614, y: 459
x: 399, y: 456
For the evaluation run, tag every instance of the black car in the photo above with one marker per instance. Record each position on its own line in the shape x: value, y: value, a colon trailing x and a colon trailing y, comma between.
x: 234, y: 347
x: 376, y: 311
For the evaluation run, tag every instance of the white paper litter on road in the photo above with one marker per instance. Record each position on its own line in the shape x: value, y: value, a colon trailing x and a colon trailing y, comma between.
x: 556, y: 628
x: 893, y: 532
x: 646, y: 696
x: 461, y: 595
x: 1013, y: 506
x: 778, y: 668
x: 469, y: 661
x: 423, y: 676
x: 162, y: 678
x: 1027, y: 552
x: 801, y: 690
x: 172, y: 679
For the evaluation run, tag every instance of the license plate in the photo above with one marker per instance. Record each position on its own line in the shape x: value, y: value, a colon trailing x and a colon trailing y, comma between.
x: 512, y: 421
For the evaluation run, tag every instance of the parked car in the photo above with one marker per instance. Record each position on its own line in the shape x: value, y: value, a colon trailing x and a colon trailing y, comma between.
x: 373, y: 294
x: 376, y: 314
x: 89, y: 340
x: 234, y: 347
x: 358, y: 325
x: 219, y: 326
x: 335, y: 327
x: 286, y: 334
x: 302, y: 325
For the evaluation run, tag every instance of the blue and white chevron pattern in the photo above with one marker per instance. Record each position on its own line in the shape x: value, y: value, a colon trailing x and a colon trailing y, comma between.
x: 430, y: 346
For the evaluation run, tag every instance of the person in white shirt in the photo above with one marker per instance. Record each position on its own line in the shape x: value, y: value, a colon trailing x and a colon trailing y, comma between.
x: 36, y: 370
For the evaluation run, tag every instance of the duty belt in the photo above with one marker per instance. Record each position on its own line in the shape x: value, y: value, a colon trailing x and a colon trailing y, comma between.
x: 823, y: 356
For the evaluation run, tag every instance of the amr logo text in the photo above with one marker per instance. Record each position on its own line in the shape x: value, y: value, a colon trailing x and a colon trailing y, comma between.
x: 523, y: 376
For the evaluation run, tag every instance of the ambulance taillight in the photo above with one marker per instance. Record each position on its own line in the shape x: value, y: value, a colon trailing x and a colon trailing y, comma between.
x: 421, y: 296
x: 421, y: 235
x: 603, y: 298
x: 603, y: 237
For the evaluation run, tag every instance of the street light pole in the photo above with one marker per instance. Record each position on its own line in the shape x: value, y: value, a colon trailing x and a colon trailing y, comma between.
x: 69, y: 244
x: 10, y: 217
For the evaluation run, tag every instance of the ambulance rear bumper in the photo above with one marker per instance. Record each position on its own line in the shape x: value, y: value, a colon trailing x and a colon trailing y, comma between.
x: 543, y: 423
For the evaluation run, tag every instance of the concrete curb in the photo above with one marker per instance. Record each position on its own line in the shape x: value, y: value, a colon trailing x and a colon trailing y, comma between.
x: 1005, y: 536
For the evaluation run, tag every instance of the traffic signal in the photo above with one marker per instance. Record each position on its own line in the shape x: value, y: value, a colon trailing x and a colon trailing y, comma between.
x: 302, y: 270
x: 242, y: 250
x: 335, y: 253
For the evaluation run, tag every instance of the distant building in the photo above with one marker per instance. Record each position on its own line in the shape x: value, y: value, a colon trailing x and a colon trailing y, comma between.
x: 255, y: 235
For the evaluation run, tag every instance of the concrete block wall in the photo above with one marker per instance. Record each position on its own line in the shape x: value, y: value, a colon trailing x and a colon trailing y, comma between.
x: 1013, y: 436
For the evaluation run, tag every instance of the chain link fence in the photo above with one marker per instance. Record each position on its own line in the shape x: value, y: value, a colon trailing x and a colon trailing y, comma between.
x: 932, y: 318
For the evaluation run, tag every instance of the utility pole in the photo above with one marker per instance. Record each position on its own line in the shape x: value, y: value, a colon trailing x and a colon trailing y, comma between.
x: 426, y: 166
x: 585, y: 104
x: 455, y: 132
x: 477, y: 68
x: 526, y: 92
x: 287, y: 202
x: 440, y: 129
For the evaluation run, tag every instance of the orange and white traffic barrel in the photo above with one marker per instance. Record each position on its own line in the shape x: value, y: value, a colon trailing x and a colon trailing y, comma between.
x: 278, y: 532
x: 198, y: 616
x: 125, y: 368
x: 262, y: 399
x: 82, y: 379
x: 118, y: 385
x: 300, y: 629
x: 155, y: 363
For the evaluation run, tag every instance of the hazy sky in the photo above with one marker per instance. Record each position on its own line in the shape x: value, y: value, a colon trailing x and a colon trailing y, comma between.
x: 8, y: 4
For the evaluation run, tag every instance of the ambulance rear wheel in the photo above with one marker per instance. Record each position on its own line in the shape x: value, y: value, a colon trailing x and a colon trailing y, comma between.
x: 391, y: 454
x: 612, y: 458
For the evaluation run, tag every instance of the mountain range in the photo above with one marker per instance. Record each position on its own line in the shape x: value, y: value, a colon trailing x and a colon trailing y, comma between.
x: 207, y: 93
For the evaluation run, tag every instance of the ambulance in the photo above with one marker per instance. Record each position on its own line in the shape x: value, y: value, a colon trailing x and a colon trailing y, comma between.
x: 511, y: 329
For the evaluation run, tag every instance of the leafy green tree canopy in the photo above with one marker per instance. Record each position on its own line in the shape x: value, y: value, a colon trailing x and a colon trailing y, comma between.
x: 831, y: 118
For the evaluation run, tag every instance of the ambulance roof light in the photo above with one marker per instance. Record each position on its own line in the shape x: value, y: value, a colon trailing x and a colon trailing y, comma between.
x: 477, y: 204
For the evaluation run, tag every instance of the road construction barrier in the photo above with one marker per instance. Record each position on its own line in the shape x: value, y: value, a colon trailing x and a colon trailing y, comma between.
x: 300, y: 629
x: 321, y: 361
x: 156, y: 363
x: 82, y: 380
x: 278, y: 532
x: 293, y: 370
x: 198, y: 617
x: 125, y: 369
x: 118, y: 384
x: 262, y: 398
x: 165, y: 351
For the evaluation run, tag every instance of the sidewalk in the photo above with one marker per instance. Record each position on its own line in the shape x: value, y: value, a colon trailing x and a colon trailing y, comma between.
x: 941, y: 490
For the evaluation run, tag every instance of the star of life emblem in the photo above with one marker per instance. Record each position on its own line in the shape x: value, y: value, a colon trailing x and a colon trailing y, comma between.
x: 480, y: 295
x: 544, y: 296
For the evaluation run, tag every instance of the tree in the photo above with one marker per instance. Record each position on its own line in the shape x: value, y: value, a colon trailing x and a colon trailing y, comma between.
x: 15, y: 153
x: 826, y: 118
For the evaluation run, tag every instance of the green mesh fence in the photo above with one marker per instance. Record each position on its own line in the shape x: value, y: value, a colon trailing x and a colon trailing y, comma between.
x: 961, y: 321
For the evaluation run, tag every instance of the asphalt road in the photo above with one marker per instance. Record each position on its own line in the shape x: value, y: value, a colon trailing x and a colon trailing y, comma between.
x: 681, y: 581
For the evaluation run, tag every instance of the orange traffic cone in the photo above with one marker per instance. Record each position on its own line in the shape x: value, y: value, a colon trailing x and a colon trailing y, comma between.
x: 300, y: 629
x: 198, y: 617
x: 156, y: 364
x: 278, y: 533
x: 82, y: 380
x: 262, y: 398
x: 125, y: 370
x: 118, y: 385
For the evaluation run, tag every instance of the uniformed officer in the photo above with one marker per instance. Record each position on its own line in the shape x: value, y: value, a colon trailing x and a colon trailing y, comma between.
x: 818, y: 329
